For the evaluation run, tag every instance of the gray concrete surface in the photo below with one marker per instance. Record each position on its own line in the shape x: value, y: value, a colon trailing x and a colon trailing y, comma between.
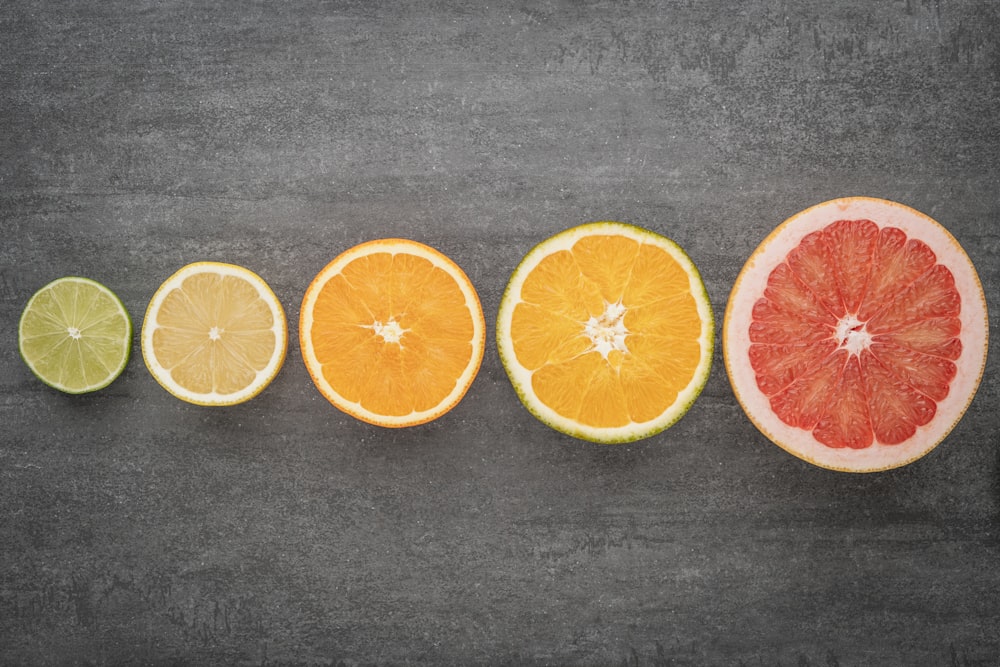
x: 138, y: 136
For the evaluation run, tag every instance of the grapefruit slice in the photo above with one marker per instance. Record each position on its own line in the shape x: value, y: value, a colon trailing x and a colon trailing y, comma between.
x: 606, y: 332
x: 855, y: 336
x: 392, y: 332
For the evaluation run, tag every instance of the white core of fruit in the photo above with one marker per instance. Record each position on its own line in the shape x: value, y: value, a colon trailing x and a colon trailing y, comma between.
x: 852, y: 335
x: 74, y: 333
x: 390, y: 332
x: 608, y: 331
x: 215, y: 333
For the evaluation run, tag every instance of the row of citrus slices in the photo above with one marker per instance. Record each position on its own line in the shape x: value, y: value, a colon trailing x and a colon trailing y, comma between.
x: 855, y: 335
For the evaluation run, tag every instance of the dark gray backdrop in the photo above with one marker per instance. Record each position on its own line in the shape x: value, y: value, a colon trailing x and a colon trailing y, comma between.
x: 140, y: 135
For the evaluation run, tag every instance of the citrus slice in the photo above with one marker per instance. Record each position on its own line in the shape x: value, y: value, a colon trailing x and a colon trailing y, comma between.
x: 75, y: 335
x: 606, y: 332
x: 392, y: 332
x: 214, y: 334
x: 855, y: 335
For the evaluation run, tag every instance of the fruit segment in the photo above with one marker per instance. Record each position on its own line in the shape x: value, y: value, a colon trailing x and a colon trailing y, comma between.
x: 846, y: 422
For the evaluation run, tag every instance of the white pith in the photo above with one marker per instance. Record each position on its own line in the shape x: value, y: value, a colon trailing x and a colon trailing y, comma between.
x: 607, y: 333
x: 278, y: 328
x: 754, y: 275
x: 852, y: 335
x: 391, y: 331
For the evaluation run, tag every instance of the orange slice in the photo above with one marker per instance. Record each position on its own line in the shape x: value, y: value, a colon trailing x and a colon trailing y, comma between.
x: 855, y: 336
x: 606, y: 332
x: 214, y: 334
x: 392, y: 332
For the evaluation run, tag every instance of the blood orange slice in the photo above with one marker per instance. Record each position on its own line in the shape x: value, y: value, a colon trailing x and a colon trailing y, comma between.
x: 855, y: 336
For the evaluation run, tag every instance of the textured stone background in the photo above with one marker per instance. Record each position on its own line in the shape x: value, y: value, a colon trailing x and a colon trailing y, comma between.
x: 138, y: 136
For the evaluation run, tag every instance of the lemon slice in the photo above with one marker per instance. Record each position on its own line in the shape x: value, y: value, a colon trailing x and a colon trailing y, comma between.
x: 606, y: 332
x: 75, y: 335
x: 214, y: 334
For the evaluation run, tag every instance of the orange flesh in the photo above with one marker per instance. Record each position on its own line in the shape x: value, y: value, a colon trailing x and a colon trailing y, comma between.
x: 856, y: 335
x: 214, y: 333
x: 614, y: 387
x: 393, y: 333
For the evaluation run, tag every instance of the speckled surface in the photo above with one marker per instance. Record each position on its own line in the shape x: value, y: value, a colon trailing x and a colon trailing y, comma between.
x: 139, y: 136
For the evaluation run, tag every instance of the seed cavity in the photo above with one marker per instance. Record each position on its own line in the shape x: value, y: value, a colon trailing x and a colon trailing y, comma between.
x: 390, y: 332
x: 852, y: 334
x: 607, y: 332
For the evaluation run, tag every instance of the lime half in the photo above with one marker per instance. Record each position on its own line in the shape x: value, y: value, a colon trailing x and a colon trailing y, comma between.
x: 75, y: 335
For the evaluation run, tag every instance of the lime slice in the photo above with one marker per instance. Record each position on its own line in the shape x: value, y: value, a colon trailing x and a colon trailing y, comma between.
x: 75, y: 335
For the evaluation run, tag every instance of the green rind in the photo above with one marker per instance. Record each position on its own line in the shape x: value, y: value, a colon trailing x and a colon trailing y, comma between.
x: 698, y: 382
x: 113, y: 375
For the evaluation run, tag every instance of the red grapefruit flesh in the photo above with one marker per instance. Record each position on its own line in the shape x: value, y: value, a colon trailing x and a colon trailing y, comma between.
x: 855, y: 336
